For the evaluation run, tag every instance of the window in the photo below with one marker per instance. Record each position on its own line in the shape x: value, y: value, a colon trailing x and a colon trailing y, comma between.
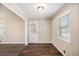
x: 2, y: 30
x: 64, y: 27
x: 33, y: 28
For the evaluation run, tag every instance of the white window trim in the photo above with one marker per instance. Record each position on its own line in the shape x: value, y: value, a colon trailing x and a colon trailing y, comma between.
x: 5, y: 31
x: 68, y: 41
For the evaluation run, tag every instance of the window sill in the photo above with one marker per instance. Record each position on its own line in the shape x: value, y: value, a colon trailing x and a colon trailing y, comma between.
x: 66, y: 40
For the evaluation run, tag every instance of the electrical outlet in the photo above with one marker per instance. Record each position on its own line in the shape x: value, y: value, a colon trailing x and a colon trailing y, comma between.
x: 64, y: 51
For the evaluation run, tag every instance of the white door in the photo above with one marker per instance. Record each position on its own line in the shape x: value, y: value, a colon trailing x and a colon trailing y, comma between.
x: 33, y: 31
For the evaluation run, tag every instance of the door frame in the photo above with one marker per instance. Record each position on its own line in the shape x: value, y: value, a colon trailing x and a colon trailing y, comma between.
x: 29, y: 29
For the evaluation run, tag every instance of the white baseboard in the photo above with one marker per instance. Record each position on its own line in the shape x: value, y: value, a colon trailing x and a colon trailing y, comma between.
x: 12, y: 42
x: 39, y: 42
x: 58, y: 49
x: 26, y: 43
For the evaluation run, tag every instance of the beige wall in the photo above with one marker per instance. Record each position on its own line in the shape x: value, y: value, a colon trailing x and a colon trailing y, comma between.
x: 71, y: 48
x: 59, y: 43
x: 15, y: 26
x: 44, y: 30
x: 75, y: 29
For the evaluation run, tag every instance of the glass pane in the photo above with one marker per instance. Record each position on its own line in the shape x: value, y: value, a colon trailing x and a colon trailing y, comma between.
x: 64, y: 27
x: 65, y: 30
x: 64, y: 21
x: 2, y: 30
x: 65, y: 35
x: 33, y: 28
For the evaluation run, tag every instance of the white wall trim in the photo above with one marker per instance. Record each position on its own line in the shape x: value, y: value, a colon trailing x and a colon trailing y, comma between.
x: 14, y: 8
x: 58, y: 49
x: 12, y: 42
x: 26, y: 32
x: 39, y: 42
x: 65, y: 13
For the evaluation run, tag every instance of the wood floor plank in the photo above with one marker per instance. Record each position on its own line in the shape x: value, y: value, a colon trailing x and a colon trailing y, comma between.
x: 40, y: 49
x: 32, y: 49
x: 10, y: 49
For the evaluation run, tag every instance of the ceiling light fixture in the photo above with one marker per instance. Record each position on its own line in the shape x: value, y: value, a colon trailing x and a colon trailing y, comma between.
x: 40, y: 7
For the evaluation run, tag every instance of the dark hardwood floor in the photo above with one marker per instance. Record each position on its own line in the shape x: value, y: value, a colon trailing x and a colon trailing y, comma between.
x: 44, y: 49
x: 31, y: 49
x: 10, y: 49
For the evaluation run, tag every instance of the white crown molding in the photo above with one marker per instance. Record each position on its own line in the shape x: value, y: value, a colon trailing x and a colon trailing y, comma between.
x: 14, y: 8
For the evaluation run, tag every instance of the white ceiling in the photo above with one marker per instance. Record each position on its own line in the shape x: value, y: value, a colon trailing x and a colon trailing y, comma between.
x: 32, y: 13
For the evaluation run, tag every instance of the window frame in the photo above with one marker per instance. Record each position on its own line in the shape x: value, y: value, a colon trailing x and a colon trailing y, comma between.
x: 61, y: 38
x: 3, y: 29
